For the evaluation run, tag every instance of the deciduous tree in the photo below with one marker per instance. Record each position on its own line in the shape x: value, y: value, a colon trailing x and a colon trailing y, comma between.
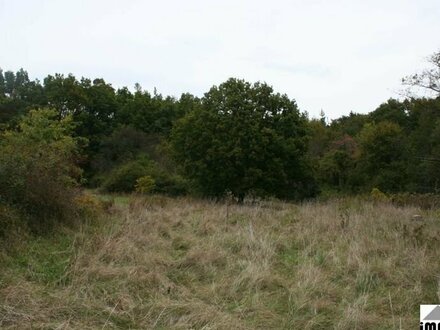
x: 245, y: 139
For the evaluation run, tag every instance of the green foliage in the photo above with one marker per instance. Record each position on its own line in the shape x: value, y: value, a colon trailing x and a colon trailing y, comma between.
x: 318, y: 139
x: 383, y: 155
x: 244, y: 138
x: 145, y: 184
x: 240, y: 137
x: 391, y: 111
x: 398, y: 148
x: 337, y: 164
x: 18, y: 94
x: 123, y: 145
x: 334, y: 168
x: 90, y: 206
x: 124, y: 178
x: 151, y: 113
x: 169, y: 184
x: 381, y: 142
x: 350, y: 125
x: 44, y: 260
x: 38, y: 173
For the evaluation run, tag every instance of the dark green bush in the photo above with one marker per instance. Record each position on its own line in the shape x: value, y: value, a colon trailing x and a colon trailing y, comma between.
x: 124, y: 145
x: 38, y: 172
x: 124, y: 177
x: 170, y: 184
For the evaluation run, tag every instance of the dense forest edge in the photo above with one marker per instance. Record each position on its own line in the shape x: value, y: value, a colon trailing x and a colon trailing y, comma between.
x: 239, y: 140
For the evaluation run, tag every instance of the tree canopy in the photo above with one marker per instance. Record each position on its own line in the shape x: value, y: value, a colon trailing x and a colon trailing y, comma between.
x: 244, y: 138
x: 239, y: 137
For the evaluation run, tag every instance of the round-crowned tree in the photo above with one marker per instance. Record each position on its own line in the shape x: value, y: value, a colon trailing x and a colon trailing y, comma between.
x: 244, y: 138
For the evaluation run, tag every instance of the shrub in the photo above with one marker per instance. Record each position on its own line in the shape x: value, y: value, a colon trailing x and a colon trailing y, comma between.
x: 168, y: 184
x: 89, y: 206
x: 38, y: 172
x: 125, y: 178
x: 145, y: 184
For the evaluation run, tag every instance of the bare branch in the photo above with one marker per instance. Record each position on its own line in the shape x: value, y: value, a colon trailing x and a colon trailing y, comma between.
x: 428, y: 79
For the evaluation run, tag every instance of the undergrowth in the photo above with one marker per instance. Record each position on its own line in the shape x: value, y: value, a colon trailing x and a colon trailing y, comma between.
x: 162, y: 263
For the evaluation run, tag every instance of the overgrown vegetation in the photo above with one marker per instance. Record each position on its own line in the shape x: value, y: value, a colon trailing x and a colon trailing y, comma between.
x: 165, y: 263
x: 239, y: 138
x: 39, y: 172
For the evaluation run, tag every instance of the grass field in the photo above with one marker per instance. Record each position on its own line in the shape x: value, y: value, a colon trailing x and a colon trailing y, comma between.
x: 162, y: 263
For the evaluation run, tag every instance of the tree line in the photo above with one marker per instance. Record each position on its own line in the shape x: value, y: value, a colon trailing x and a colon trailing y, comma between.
x: 240, y: 138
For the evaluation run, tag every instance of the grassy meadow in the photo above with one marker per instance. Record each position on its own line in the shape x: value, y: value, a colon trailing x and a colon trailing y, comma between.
x: 162, y: 263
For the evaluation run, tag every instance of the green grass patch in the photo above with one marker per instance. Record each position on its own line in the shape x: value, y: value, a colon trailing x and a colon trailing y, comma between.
x: 43, y: 259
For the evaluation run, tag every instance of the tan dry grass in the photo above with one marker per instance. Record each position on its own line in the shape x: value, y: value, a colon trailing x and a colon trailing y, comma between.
x: 189, y: 264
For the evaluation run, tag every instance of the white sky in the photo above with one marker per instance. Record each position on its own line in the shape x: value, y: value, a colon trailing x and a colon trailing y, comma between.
x: 339, y: 56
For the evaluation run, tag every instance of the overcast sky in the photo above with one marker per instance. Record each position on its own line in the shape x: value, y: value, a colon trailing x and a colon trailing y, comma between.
x: 339, y: 55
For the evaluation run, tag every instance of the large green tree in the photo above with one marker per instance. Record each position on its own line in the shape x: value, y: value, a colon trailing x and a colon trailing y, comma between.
x: 383, y: 160
x: 244, y: 138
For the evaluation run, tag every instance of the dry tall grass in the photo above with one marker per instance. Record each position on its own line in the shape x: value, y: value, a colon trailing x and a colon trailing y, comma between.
x: 188, y: 264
